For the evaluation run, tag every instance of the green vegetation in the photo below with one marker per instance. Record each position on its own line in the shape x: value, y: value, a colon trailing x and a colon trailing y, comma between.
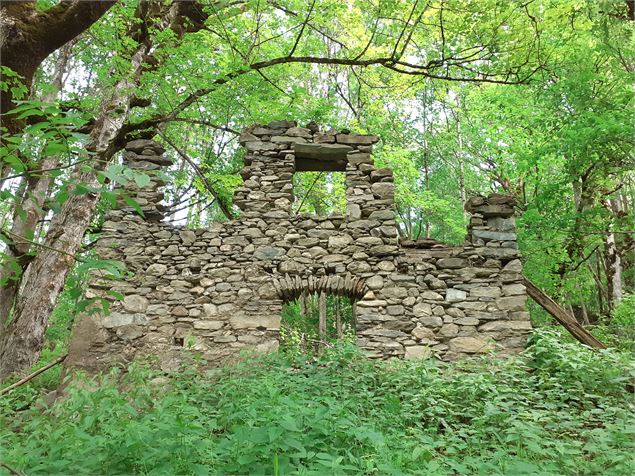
x: 559, y: 409
x: 531, y: 99
x: 299, y: 327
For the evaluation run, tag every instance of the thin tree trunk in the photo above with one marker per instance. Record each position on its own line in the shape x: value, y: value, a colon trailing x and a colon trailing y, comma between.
x: 322, y: 316
x: 613, y: 271
x: 613, y: 259
x: 22, y: 342
x: 627, y: 248
x: 597, y: 276
x: 338, y: 318
x: 585, y: 314
x: 304, y: 304
x: 426, y: 160
x: 461, y: 159
x: 29, y: 211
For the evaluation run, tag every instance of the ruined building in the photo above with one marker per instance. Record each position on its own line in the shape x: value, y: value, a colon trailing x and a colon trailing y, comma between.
x: 221, y: 289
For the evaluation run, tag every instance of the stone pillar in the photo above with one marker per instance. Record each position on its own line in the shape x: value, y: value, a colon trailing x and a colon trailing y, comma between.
x: 370, y: 193
x: 492, y: 234
x: 145, y: 156
x: 492, y: 228
x: 267, y: 190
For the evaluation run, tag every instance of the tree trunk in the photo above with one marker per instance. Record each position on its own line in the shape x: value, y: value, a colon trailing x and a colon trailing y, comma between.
x: 613, y: 271
x: 304, y: 304
x: 28, y: 37
x: 426, y: 162
x: 29, y: 211
x: 627, y: 248
x: 322, y: 317
x: 22, y: 342
x: 613, y: 261
x: 461, y: 159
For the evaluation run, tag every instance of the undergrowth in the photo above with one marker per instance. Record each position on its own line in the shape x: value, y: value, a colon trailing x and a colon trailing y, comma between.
x: 558, y: 409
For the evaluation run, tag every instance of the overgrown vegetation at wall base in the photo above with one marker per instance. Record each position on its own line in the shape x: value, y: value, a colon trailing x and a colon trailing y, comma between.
x: 558, y: 409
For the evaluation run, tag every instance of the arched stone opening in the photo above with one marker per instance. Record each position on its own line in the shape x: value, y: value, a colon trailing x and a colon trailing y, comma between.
x: 318, y: 311
x: 290, y: 288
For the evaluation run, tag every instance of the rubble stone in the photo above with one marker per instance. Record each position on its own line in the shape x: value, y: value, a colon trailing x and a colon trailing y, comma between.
x: 222, y: 286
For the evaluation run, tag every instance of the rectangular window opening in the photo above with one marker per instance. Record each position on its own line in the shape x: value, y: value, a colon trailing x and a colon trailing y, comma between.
x: 319, y: 193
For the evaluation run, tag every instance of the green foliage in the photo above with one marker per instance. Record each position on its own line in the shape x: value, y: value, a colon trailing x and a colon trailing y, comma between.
x: 559, y: 409
x: 618, y: 330
x: 319, y: 193
x: 299, y: 331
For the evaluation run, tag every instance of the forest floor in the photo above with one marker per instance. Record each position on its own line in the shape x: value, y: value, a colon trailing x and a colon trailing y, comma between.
x: 558, y: 409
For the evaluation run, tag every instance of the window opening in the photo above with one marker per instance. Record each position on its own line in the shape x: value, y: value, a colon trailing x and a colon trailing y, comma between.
x: 319, y: 193
x: 315, y: 321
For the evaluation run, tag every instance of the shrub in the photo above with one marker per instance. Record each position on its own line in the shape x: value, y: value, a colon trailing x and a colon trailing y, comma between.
x: 559, y: 409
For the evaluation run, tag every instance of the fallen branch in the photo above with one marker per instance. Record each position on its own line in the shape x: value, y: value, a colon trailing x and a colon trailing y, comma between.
x: 563, y: 317
x: 33, y: 375
x: 14, y: 472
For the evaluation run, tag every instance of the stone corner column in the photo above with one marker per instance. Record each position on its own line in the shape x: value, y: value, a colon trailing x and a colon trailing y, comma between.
x: 267, y: 190
x: 492, y: 234
x: 145, y: 156
x: 492, y: 227
x: 370, y: 192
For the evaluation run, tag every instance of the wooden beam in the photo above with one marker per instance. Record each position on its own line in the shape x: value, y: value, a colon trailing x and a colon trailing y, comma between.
x: 304, y: 305
x: 563, y: 317
x: 338, y: 318
x: 322, y: 316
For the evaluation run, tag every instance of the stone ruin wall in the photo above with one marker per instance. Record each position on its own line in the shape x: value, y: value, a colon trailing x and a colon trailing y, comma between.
x: 217, y: 290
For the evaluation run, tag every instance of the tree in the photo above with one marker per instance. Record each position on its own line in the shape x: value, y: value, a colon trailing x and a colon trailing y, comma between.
x: 179, y: 79
x: 29, y: 36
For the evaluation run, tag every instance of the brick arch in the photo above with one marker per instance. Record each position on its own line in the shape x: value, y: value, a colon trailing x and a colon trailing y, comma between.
x: 290, y: 288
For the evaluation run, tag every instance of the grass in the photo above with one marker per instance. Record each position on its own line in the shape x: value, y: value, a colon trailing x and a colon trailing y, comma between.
x: 558, y: 409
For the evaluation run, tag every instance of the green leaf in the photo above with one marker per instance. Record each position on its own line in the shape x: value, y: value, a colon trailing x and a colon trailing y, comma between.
x: 15, y: 163
x: 141, y: 180
x: 132, y: 203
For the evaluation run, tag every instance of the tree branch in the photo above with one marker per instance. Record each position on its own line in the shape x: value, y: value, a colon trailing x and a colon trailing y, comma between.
x: 390, y: 63
x: 47, y: 30
x: 223, y: 207
x: 304, y: 23
x: 33, y: 375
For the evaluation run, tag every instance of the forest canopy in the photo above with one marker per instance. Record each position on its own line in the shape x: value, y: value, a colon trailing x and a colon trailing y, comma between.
x: 532, y: 99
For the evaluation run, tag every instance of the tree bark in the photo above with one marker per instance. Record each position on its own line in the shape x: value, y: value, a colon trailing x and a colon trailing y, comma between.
x: 24, y: 222
x: 613, y: 258
x: 22, y: 342
x: 613, y: 270
x: 461, y: 159
x: 27, y: 37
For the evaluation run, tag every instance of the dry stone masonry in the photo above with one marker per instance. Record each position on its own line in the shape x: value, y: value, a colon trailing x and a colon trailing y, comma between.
x: 221, y: 289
